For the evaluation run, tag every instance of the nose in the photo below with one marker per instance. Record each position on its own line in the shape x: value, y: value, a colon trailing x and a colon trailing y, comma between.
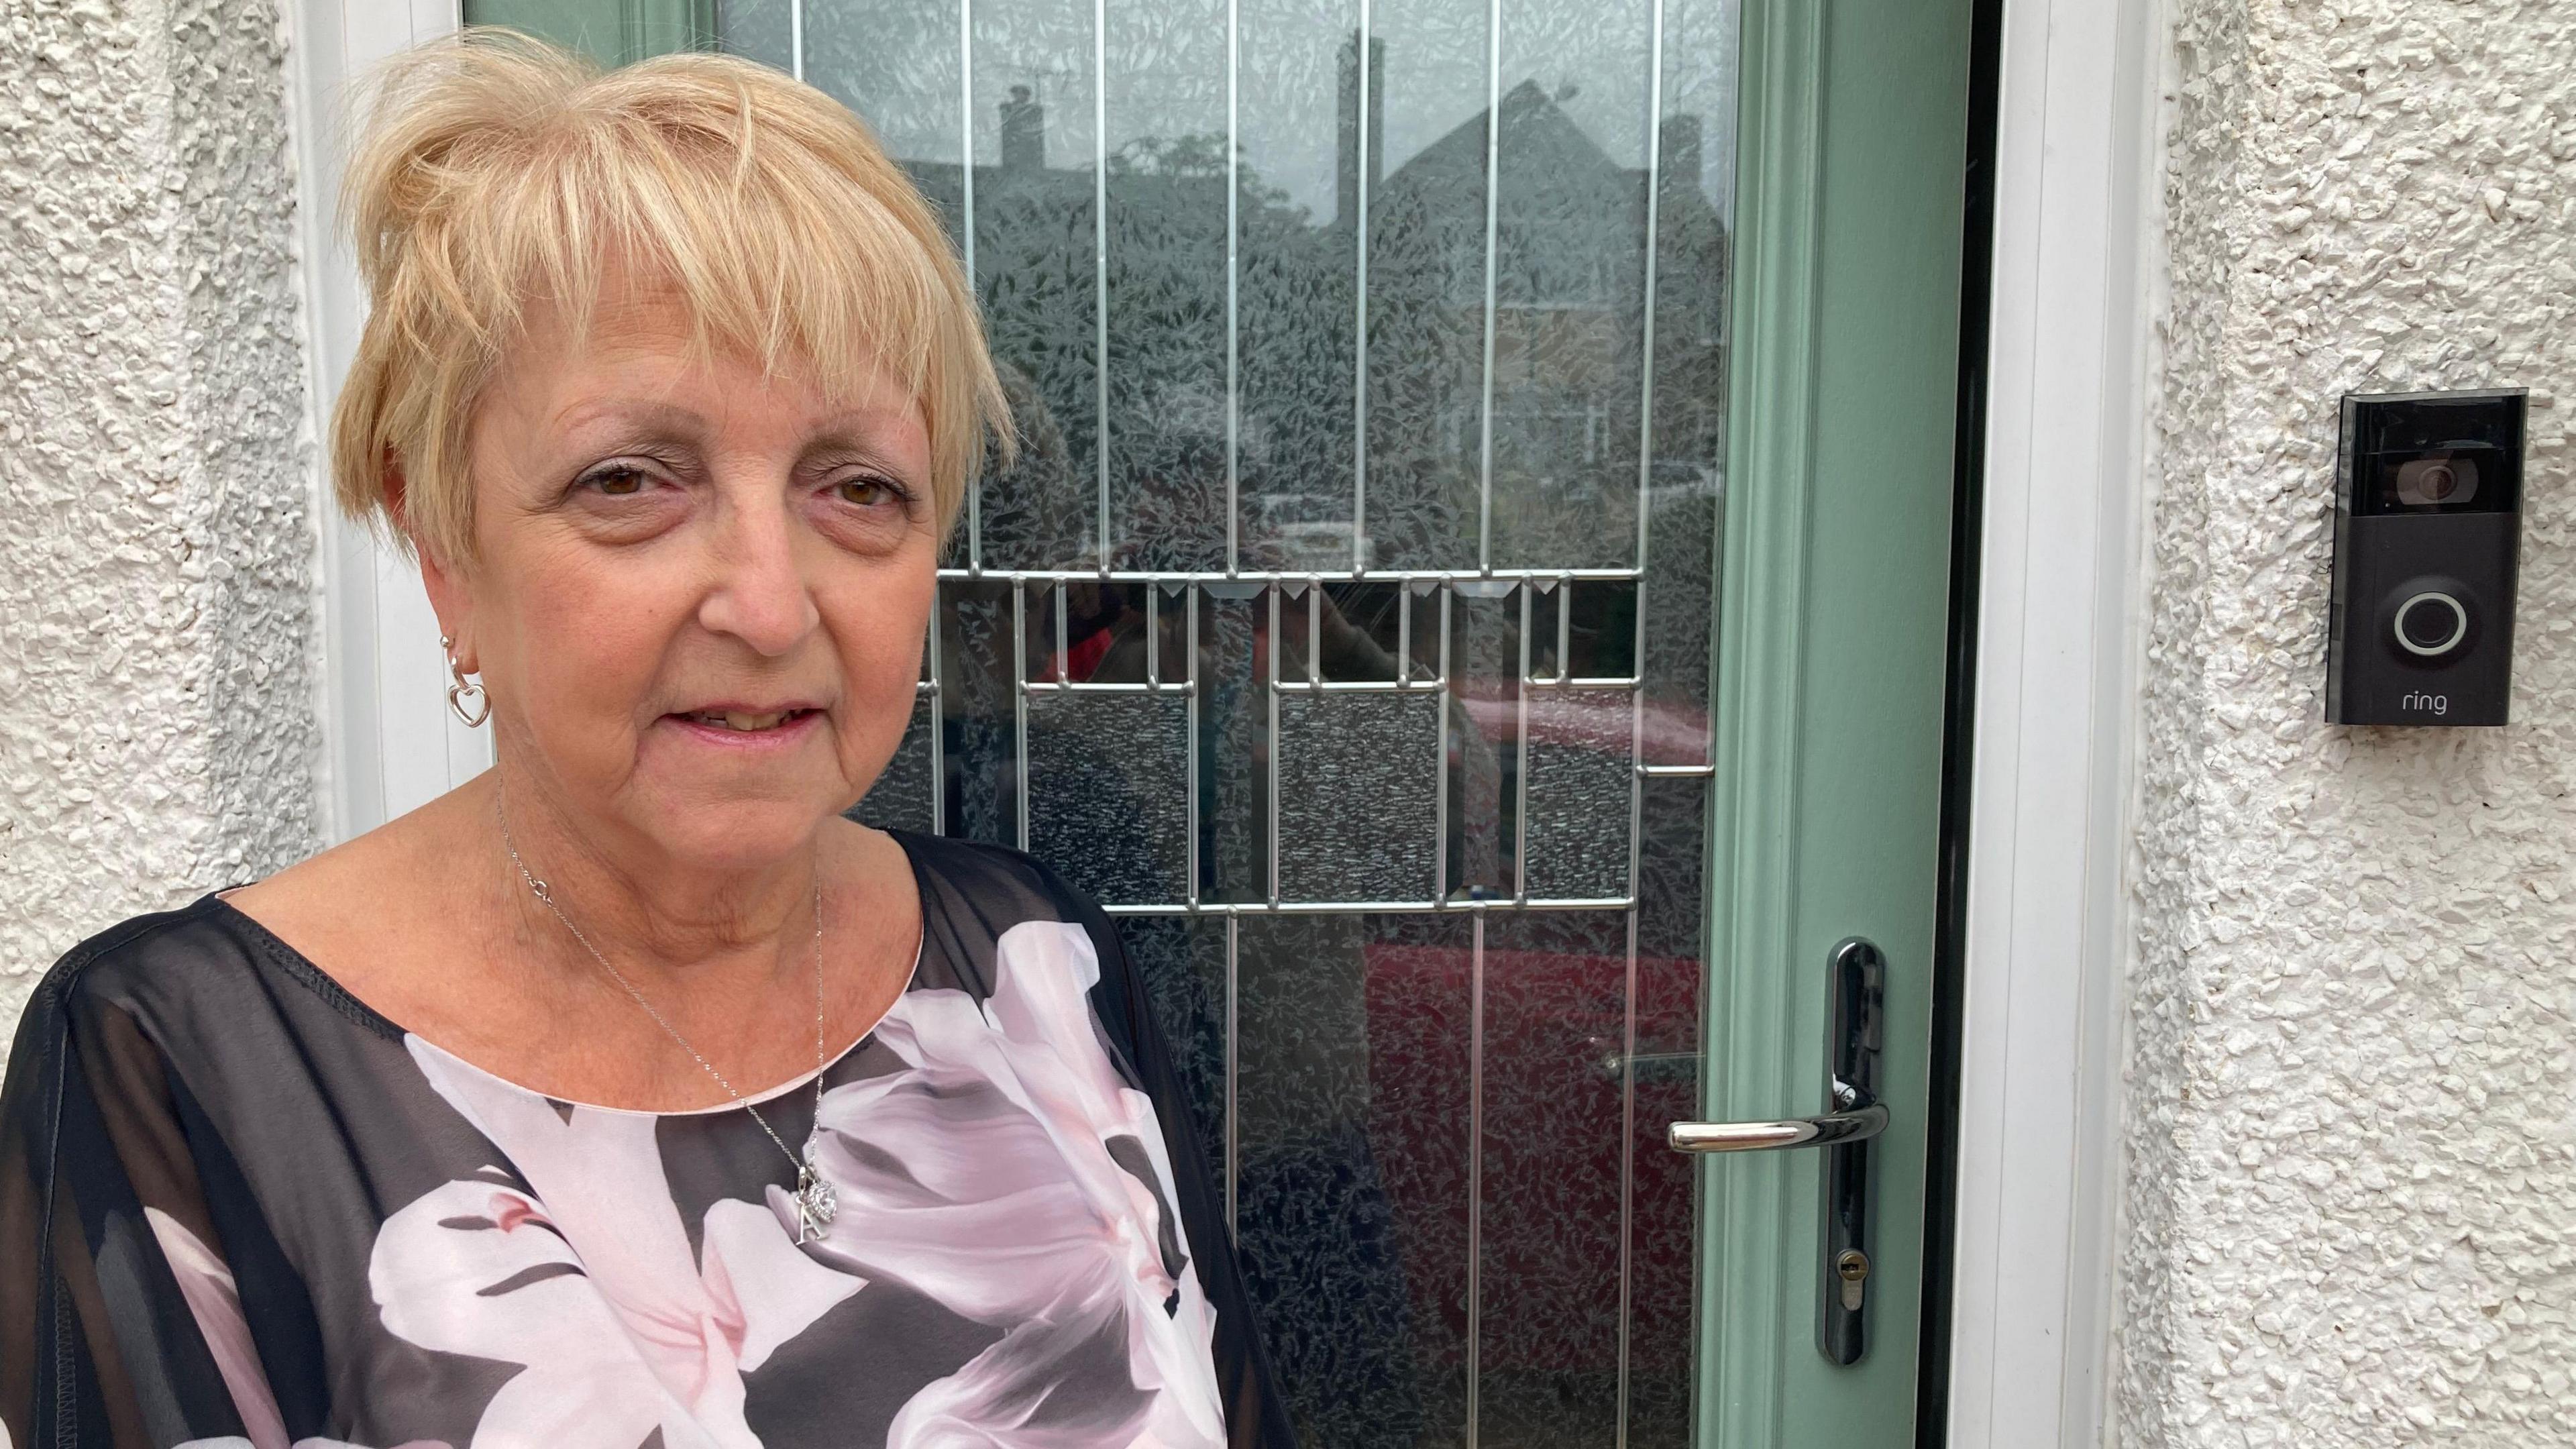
x: 760, y: 594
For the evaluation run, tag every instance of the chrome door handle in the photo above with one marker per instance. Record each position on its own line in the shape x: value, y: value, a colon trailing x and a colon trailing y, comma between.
x: 1857, y: 1125
x: 1857, y: 977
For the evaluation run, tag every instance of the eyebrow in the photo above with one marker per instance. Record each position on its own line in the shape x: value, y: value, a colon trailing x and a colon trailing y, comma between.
x: 655, y: 415
x: 842, y: 422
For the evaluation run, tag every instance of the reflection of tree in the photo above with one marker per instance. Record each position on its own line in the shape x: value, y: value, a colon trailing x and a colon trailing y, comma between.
x: 1201, y: 155
x: 1034, y: 273
x: 1035, y: 240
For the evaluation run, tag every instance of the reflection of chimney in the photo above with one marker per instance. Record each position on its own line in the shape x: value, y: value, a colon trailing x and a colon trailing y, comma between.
x: 1023, y: 132
x: 1679, y: 143
x: 1346, y: 174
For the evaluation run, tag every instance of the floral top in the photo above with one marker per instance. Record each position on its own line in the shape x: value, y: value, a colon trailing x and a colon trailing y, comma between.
x: 240, y: 1208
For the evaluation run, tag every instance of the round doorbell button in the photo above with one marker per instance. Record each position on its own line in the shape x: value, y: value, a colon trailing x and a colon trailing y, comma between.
x: 2431, y: 624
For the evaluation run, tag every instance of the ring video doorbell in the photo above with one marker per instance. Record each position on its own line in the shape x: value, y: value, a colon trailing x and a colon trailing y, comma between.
x: 2428, y: 538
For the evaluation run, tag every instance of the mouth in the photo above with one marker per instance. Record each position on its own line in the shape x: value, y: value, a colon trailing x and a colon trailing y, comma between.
x: 747, y: 721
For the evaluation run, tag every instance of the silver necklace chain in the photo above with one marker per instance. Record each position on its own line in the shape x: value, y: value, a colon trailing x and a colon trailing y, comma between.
x: 814, y: 1198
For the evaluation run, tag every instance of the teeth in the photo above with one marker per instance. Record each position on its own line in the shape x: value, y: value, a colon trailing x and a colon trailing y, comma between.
x: 746, y: 722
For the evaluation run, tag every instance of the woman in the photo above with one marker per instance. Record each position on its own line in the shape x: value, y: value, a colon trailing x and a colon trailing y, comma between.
x: 629, y: 1089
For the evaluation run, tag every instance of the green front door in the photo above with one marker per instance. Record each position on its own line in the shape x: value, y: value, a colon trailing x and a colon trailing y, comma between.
x: 1408, y: 389
x: 1830, y: 681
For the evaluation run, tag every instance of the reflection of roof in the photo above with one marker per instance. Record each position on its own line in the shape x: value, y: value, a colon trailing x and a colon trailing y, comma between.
x: 1570, y: 219
x: 1538, y: 136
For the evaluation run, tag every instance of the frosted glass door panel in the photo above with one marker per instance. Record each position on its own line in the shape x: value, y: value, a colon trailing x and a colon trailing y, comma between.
x: 1345, y: 626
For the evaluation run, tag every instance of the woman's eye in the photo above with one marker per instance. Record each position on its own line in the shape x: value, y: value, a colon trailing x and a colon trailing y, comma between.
x: 617, y: 482
x: 866, y: 492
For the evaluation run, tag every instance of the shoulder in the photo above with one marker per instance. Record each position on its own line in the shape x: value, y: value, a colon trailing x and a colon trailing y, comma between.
x: 138, y: 966
x: 198, y: 973
x: 146, y: 951
x: 972, y: 894
x: 398, y: 881
x: 998, y: 885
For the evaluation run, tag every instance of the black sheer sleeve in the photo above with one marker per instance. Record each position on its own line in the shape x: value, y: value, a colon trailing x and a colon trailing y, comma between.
x: 120, y: 1324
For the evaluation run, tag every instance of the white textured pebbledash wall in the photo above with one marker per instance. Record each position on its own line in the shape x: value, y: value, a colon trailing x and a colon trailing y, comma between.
x: 157, y: 635
x: 2351, y: 1180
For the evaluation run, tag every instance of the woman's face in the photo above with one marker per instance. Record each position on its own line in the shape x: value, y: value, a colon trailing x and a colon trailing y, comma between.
x: 699, y: 590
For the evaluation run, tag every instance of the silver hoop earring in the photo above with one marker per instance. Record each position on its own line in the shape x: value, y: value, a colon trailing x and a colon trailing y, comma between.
x: 464, y: 696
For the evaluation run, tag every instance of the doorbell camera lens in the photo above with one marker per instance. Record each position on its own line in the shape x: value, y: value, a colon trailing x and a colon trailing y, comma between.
x: 2434, y: 482
x: 2427, y: 553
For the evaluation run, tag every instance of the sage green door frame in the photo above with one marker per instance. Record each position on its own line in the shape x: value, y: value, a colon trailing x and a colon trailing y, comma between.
x: 1831, y: 676
x: 612, y: 32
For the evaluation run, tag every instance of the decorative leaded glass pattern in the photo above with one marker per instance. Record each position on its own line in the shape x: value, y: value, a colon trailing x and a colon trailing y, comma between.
x: 1344, y: 625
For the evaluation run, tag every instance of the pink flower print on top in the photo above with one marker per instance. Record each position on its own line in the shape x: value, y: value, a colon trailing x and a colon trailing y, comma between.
x: 214, y: 1300
x: 983, y: 1176
x: 589, y: 1281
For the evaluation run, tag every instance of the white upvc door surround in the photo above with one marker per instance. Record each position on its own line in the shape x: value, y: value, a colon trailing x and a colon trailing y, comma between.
x: 389, y: 741
x: 2061, y: 588
x: 2076, y: 283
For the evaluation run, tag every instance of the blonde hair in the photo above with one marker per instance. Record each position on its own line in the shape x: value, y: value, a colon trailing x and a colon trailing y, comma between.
x: 497, y: 174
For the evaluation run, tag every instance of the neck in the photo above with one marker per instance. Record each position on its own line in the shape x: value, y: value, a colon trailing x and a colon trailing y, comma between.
x: 652, y: 916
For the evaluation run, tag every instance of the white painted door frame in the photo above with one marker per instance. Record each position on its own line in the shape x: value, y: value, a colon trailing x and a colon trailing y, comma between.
x: 2063, y: 582
x: 2076, y: 285
x: 389, y: 743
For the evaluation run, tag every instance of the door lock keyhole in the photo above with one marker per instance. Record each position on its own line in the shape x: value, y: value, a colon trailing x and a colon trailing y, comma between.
x: 1852, y: 1267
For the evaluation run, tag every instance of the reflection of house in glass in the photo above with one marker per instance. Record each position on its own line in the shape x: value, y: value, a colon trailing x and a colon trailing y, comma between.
x: 1566, y: 283
x: 1565, y: 278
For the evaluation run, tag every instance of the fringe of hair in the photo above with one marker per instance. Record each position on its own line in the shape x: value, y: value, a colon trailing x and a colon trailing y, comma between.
x: 497, y: 175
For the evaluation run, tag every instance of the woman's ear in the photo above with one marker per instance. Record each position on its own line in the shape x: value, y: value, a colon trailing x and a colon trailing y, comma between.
x: 452, y: 602
x: 449, y: 596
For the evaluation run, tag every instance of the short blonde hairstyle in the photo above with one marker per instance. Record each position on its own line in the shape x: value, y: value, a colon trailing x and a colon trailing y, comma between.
x: 496, y: 174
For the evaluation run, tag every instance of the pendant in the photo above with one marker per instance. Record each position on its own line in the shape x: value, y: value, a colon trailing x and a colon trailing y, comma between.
x: 815, y: 1201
